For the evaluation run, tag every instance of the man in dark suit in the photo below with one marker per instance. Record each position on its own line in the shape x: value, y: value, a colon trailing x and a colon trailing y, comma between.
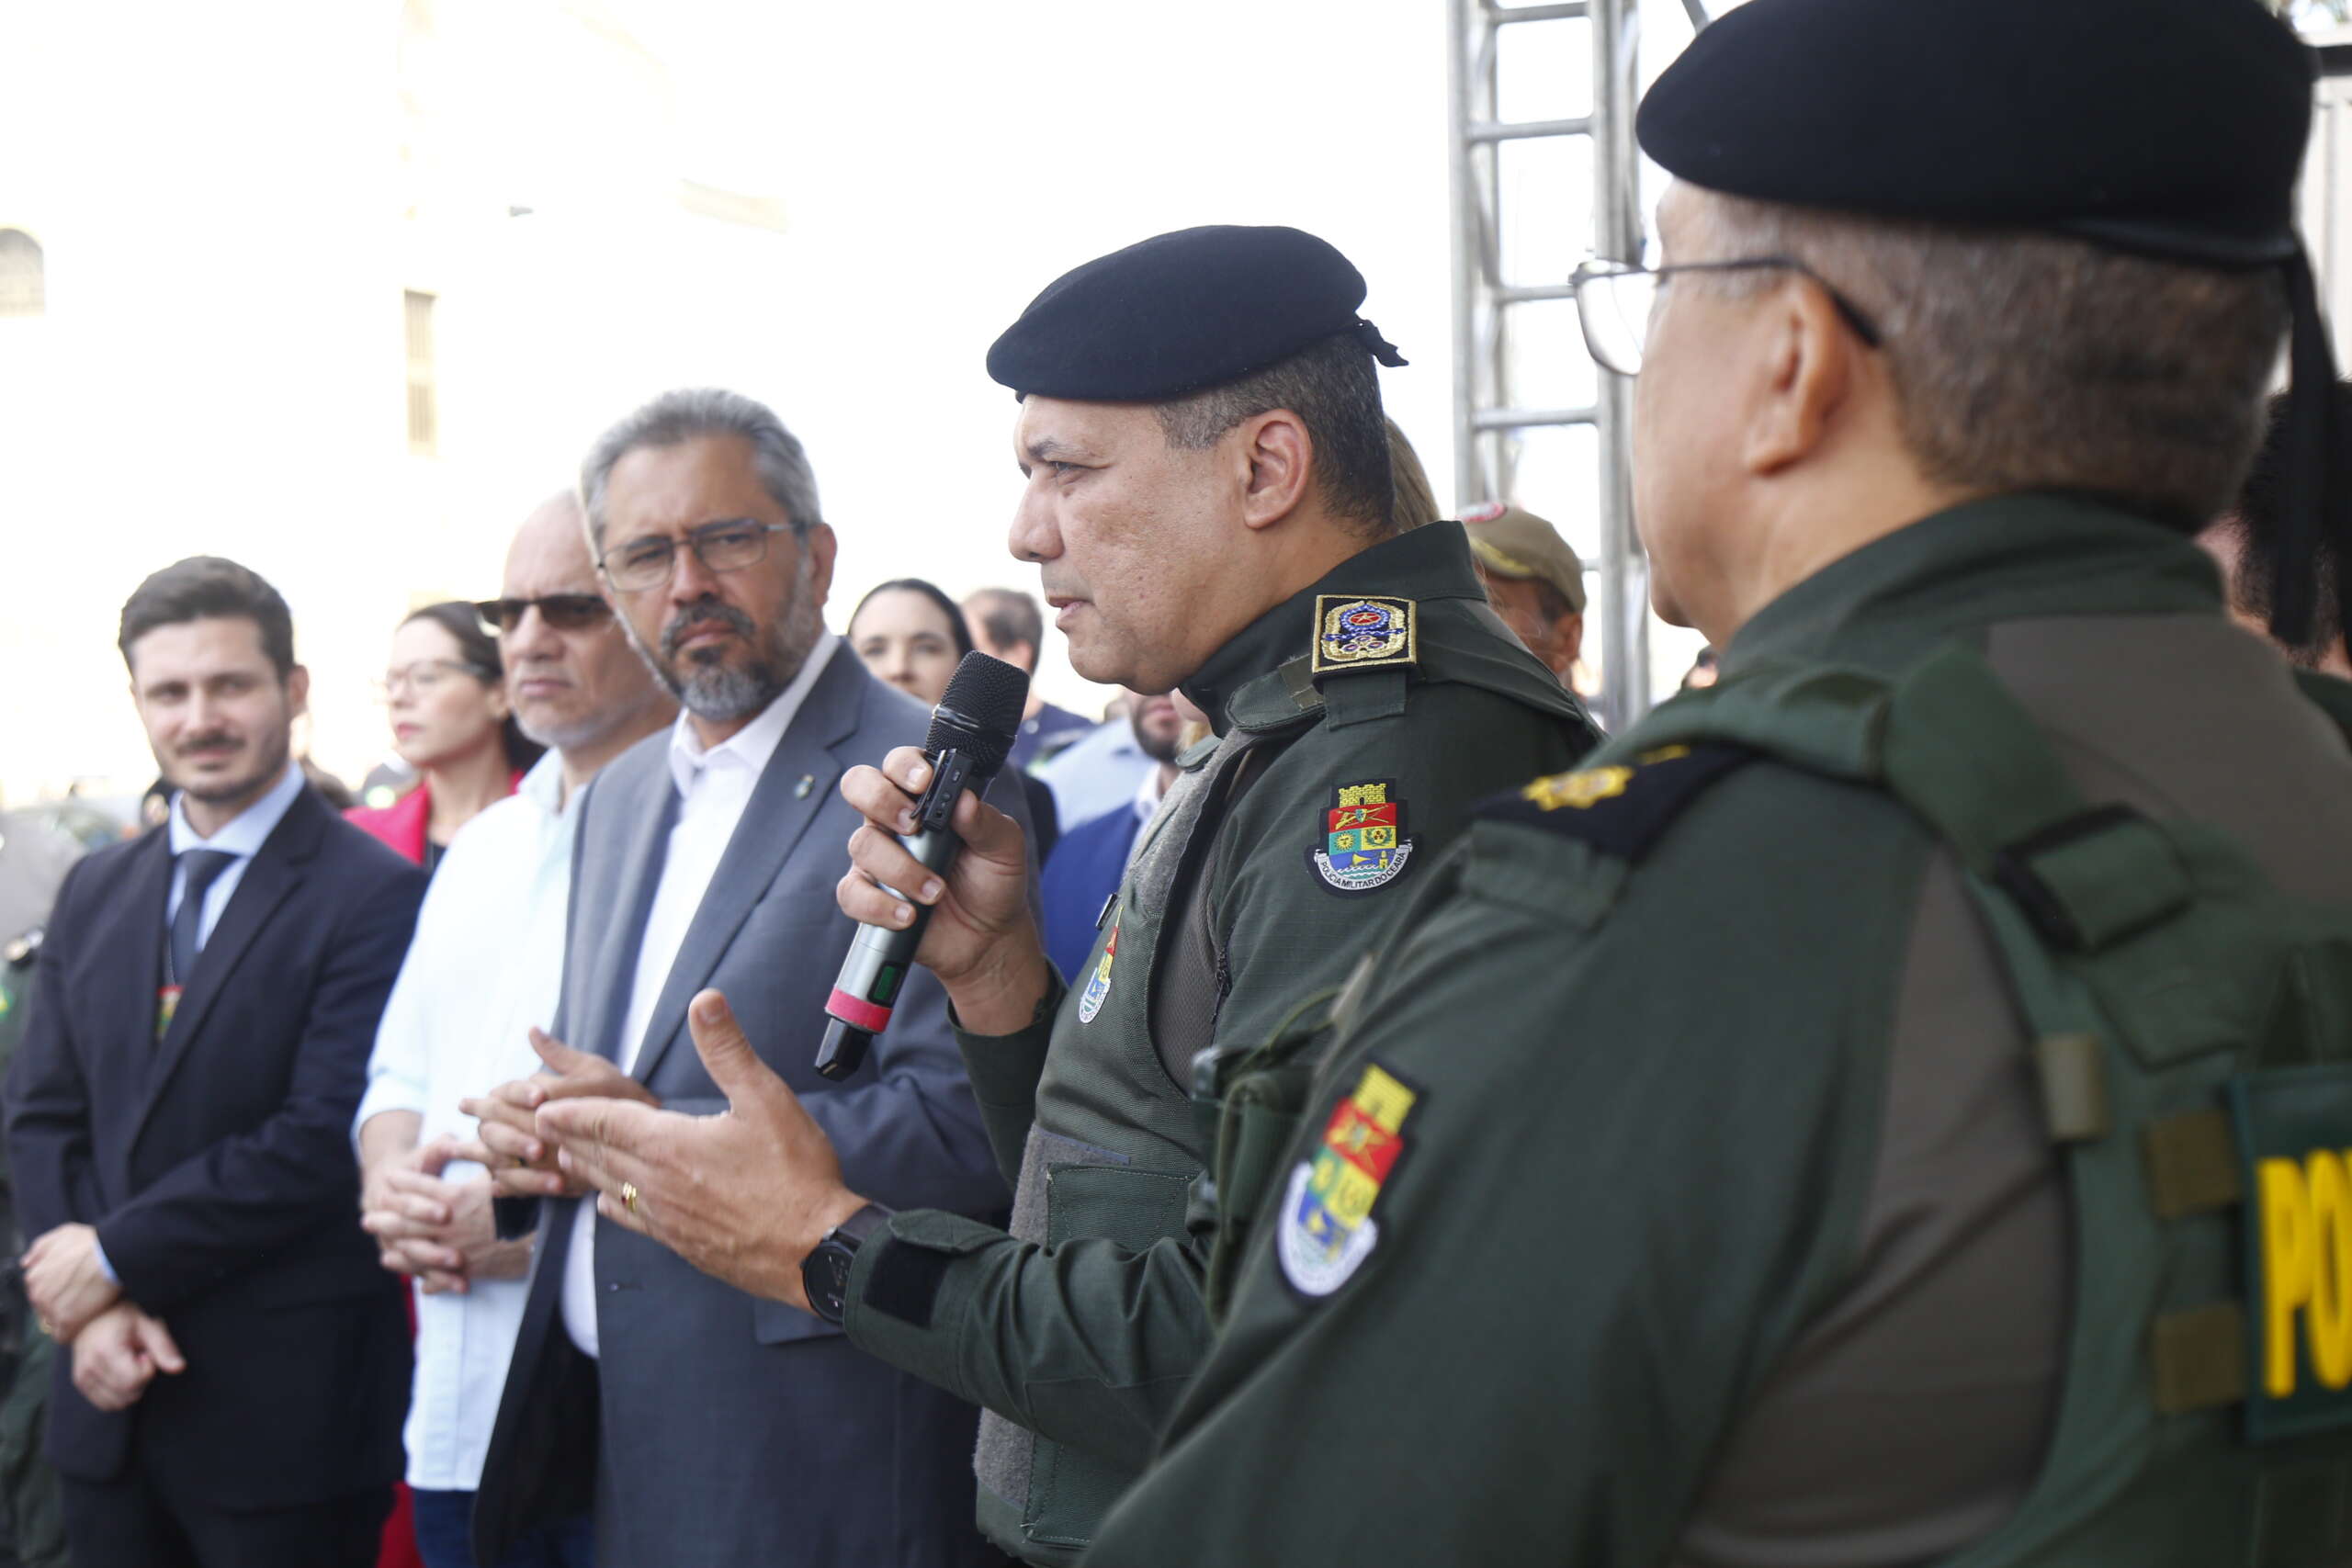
x: 710, y: 1429
x: 177, y: 1121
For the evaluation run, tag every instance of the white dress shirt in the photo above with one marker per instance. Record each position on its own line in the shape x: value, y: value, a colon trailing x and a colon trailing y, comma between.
x: 485, y: 967
x: 714, y: 786
x: 242, y: 837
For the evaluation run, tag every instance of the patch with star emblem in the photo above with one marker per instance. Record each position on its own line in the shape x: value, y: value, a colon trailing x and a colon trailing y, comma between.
x: 1364, y: 845
x: 1328, y: 1227
x: 1361, y: 634
x: 1623, y: 808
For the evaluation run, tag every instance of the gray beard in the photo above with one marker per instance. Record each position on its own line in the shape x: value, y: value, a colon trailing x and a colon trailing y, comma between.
x: 723, y: 693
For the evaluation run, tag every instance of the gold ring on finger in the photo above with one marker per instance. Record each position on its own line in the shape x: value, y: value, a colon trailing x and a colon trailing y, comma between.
x: 629, y: 1196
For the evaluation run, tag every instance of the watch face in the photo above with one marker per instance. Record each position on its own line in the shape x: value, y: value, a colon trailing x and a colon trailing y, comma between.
x: 828, y: 1279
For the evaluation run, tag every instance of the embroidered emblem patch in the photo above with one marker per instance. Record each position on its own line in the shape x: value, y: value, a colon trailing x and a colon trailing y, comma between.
x: 1327, y: 1229
x: 1098, y: 985
x: 1361, y: 633
x: 1365, y: 845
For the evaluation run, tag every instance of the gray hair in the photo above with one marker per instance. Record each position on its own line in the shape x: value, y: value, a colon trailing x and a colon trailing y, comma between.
x: 691, y: 411
x: 2033, y: 361
x: 1333, y: 386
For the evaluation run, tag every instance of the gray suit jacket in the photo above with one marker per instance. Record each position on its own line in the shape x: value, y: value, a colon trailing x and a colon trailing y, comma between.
x: 720, y: 1430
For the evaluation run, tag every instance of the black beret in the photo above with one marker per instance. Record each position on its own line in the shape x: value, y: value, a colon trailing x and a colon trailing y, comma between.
x: 2170, y: 128
x: 1178, y: 312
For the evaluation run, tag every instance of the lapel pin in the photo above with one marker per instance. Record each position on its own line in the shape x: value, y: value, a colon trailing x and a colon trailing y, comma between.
x: 808, y: 781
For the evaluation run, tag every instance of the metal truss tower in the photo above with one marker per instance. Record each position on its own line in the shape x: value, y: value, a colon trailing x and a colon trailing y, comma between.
x: 1489, y: 421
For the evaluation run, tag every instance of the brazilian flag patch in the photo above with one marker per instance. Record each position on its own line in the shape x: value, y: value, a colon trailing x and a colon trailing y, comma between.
x: 1326, y: 1228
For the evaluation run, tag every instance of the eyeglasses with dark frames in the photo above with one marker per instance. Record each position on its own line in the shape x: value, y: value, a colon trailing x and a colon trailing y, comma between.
x: 563, y: 612
x: 647, y: 562
x: 1615, y: 302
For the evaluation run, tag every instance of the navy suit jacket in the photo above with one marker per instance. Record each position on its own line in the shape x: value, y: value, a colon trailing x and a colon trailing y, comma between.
x: 722, y: 1430
x: 217, y: 1165
x: 1080, y: 879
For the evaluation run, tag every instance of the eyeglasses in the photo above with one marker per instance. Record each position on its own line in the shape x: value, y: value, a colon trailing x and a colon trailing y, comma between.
x: 427, y: 676
x: 561, y: 612
x: 720, y: 547
x: 1615, y: 301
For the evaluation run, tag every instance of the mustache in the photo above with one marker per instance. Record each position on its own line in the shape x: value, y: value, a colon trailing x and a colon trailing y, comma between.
x: 215, y: 740
x: 696, y: 615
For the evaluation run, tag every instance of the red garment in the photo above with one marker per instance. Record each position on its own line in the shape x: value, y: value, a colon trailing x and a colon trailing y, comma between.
x: 401, y: 828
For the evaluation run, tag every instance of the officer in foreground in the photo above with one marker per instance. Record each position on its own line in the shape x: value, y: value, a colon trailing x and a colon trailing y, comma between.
x: 1209, y: 502
x: 1822, y: 1133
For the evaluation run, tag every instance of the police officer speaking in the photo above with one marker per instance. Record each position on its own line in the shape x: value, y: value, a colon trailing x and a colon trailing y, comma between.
x: 1208, y: 499
x: 1890, y: 1108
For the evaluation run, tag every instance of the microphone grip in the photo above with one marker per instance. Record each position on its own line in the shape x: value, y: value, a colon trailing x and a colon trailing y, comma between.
x: 876, y: 967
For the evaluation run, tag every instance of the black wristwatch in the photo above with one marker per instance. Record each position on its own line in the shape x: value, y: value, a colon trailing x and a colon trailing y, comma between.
x: 824, y: 1273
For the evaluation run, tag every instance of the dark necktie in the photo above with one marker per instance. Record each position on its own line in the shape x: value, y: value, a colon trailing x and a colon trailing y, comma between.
x: 204, y: 868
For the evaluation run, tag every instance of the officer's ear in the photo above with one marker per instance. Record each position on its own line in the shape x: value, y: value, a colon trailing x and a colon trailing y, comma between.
x: 1280, y: 457
x: 298, y: 691
x: 1810, y: 376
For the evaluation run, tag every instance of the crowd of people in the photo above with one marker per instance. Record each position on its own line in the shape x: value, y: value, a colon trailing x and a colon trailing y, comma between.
x: 1884, y: 1106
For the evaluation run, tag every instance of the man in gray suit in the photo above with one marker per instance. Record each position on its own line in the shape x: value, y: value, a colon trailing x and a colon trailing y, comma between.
x: 709, y: 1427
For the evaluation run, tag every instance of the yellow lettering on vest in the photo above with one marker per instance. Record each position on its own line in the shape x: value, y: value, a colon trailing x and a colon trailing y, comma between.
x: 2285, y: 1268
x: 2329, y: 1317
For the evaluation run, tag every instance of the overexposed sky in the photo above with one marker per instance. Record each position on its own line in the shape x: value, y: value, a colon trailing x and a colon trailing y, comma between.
x: 220, y: 191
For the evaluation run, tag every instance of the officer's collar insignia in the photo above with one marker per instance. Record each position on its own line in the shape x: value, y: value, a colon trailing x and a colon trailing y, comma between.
x: 1364, y: 845
x: 1357, y: 633
x: 1326, y: 1228
x: 1622, y: 808
x: 1098, y: 985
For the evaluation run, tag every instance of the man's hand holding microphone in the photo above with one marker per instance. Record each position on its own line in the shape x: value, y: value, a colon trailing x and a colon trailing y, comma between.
x: 935, y: 878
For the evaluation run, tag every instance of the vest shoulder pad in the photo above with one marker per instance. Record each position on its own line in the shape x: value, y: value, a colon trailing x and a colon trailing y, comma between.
x: 1621, y: 809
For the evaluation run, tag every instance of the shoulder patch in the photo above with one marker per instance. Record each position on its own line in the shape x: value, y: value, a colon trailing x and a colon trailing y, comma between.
x: 1362, y: 844
x: 1328, y: 1227
x: 1623, y: 808
x: 1352, y: 632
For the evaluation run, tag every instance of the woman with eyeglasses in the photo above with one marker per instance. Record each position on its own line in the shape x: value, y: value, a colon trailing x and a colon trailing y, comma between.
x: 911, y: 635
x: 445, y: 693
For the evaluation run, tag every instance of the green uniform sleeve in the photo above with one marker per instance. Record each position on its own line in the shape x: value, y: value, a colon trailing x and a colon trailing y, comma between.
x: 1004, y: 1070
x: 1087, y: 1343
x: 1635, y: 1137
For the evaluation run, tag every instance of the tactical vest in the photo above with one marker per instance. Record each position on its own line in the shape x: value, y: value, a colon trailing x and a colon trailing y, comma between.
x: 2192, y: 1035
x: 1117, y: 1148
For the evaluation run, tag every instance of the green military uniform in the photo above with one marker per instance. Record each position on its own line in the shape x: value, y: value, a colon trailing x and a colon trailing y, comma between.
x: 1358, y: 723
x: 1684, y: 1189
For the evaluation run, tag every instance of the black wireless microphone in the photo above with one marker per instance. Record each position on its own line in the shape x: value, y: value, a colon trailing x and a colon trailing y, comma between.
x: 972, y: 731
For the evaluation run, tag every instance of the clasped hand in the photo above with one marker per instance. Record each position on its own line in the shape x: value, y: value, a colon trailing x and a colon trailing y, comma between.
x: 439, y: 1231
x: 508, y: 1143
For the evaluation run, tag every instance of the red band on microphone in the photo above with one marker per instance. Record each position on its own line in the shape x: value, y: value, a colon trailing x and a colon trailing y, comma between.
x: 857, y: 1011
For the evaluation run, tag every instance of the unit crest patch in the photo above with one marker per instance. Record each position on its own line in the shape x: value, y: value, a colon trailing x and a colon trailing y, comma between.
x: 1098, y: 985
x: 1363, y: 845
x: 1361, y: 634
x: 1326, y: 1228
x: 1620, y: 809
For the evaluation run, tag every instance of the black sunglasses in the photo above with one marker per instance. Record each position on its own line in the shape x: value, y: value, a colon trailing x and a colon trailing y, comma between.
x: 563, y: 612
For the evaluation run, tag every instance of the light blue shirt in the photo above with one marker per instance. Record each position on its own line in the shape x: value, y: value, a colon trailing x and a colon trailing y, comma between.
x: 242, y: 837
x: 1097, y: 773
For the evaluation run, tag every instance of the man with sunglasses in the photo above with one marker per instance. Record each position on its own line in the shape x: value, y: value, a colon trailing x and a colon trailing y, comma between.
x: 1888, y: 1108
x: 483, y: 972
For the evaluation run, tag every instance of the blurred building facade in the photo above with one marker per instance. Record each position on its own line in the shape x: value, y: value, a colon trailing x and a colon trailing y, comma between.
x: 337, y: 290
